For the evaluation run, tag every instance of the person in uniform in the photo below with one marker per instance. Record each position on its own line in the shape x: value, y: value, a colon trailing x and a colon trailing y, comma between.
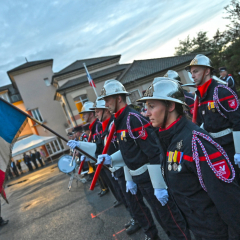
x: 189, y: 97
x: 197, y: 170
x: 38, y: 157
x: 228, y: 78
x: 217, y: 108
x: 95, y: 137
x: 33, y: 159
x: 139, y: 149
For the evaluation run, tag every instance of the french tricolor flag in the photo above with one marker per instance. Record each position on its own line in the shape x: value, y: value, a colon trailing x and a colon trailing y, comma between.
x: 91, y: 82
x: 12, y: 122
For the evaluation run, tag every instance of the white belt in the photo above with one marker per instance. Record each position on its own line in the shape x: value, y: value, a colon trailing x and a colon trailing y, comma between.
x: 114, y: 169
x: 221, y: 133
x: 139, y: 171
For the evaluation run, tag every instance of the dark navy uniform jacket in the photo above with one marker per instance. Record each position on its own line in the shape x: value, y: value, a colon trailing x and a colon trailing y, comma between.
x: 207, y: 213
x: 137, y: 152
x: 96, y: 135
x: 207, y: 113
x: 113, y: 147
x: 230, y: 82
x: 189, y: 100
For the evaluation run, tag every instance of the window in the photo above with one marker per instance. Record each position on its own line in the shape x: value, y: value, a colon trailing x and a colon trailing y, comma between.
x: 36, y: 114
x: 5, y: 96
x: 47, y: 82
x: 82, y: 98
x: 55, y: 146
x: 135, y: 95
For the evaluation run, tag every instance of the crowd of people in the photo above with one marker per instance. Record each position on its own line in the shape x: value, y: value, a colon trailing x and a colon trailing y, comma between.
x: 30, y: 159
x: 181, y: 153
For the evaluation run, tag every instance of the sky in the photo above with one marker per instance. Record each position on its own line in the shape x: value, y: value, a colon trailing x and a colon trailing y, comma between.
x: 69, y: 30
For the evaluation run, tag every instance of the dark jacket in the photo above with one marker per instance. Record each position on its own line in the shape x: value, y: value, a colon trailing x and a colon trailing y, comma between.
x: 140, y: 151
x: 230, y: 82
x: 207, y: 213
x: 38, y: 156
x: 96, y: 136
x: 33, y: 157
x: 189, y: 100
x: 213, y: 121
x: 113, y: 147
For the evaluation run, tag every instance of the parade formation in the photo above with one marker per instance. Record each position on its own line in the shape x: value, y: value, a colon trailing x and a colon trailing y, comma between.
x: 182, y: 157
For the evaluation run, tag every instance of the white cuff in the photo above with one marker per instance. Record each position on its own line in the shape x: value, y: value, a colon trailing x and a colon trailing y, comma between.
x: 88, y: 147
x: 117, y: 159
x: 155, y: 173
x: 236, y: 139
x: 127, y: 174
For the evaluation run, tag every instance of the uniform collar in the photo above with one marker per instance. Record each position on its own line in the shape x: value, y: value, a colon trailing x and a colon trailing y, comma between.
x: 91, y: 125
x: 118, y: 113
x: 170, y: 126
x: 105, y: 123
x: 203, y: 88
x: 173, y: 129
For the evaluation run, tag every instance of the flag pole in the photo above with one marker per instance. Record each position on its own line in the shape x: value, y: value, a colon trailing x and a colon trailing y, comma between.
x: 92, y: 80
x: 49, y: 129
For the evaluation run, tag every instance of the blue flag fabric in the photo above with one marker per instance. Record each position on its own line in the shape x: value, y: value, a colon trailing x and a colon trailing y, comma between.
x: 11, y: 121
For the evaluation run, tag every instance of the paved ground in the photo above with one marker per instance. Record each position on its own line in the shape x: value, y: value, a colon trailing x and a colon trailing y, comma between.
x: 42, y: 208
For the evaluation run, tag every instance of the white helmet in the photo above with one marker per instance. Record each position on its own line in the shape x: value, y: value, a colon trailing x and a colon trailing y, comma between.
x: 199, y: 60
x: 112, y: 87
x: 100, y: 103
x: 87, y: 107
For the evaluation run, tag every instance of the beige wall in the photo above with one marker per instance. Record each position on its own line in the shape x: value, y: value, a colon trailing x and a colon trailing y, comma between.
x: 36, y: 94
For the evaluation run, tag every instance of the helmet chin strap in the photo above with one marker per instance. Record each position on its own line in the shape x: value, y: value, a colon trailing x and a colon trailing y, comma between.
x: 165, y: 116
x: 116, y: 103
x: 203, y: 76
x: 102, y: 115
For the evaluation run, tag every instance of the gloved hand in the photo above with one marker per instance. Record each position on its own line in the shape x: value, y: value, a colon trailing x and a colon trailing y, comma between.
x: 72, y: 144
x: 132, y: 187
x: 237, y: 159
x: 107, y: 161
x: 162, y: 195
x: 114, y: 177
x: 83, y: 158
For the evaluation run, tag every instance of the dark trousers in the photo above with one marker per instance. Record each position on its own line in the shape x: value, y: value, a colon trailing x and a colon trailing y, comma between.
x: 113, y: 185
x: 168, y: 216
x: 138, y: 210
x: 15, y: 171
x: 41, y: 162
x: 35, y: 163
x: 29, y: 165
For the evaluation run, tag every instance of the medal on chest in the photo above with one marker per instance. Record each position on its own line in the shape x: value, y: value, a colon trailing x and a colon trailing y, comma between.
x: 175, y: 158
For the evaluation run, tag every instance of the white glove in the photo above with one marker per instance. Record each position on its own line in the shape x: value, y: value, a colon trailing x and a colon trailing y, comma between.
x: 132, y: 187
x: 107, y: 161
x: 114, y: 177
x: 83, y: 158
x: 237, y: 159
x: 72, y: 144
x: 162, y: 195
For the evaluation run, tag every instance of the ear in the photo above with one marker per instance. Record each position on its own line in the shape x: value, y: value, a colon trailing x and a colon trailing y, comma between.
x: 119, y: 99
x: 208, y: 72
x: 171, y: 107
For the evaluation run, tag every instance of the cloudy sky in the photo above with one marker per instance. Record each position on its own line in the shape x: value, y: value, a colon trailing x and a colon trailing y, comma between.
x: 68, y: 30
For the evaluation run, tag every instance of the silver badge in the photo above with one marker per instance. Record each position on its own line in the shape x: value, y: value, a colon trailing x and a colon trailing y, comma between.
x: 179, y: 145
x: 169, y: 167
x: 179, y: 168
x: 175, y: 166
x: 203, y: 112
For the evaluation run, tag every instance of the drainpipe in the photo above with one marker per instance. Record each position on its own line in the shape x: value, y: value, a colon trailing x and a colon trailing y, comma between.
x: 72, y: 116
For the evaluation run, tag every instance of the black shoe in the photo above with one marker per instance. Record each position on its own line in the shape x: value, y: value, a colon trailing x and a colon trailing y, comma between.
x: 127, y: 225
x: 99, y: 193
x: 117, y: 203
x: 134, y: 227
x: 104, y: 192
x: 154, y: 238
x: 2, y: 222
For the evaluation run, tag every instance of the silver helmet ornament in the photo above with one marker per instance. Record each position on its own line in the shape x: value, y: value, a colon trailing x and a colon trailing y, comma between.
x: 87, y: 107
x: 173, y: 75
x: 199, y: 60
x: 112, y: 87
x: 166, y: 89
